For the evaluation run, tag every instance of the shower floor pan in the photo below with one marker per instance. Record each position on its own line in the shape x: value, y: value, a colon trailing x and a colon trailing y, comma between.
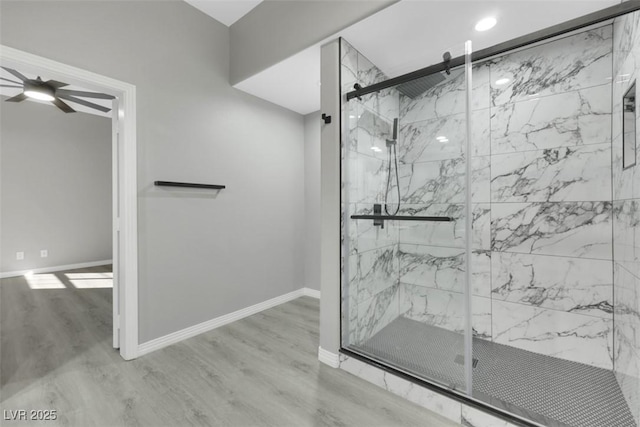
x: 545, y: 389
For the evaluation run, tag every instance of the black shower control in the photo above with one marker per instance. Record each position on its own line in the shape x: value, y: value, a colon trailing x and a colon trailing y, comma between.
x: 327, y: 119
x: 377, y: 210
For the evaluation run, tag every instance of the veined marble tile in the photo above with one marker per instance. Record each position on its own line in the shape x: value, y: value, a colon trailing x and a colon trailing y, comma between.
x: 626, y: 234
x: 371, y: 134
x: 365, y: 236
x: 623, y: 179
x: 481, y: 319
x: 562, y: 120
x: 481, y: 132
x: 349, y: 66
x: 444, y: 99
x: 472, y: 417
x: 424, y: 397
x: 481, y: 83
x: 443, y: 181
x: 481, y: 273
x: 368, y: 179
x: 447, y: 234
x: 377, y: 312
x: 571, y: 63
x: 378, y: 270
x: 569, y: 336
x: 574, y: 229
x: 481, y: 226
x: 444, y: 268
x: 627, y: 335
x: 625, y: 37
x: 432, y: 266
x: 435, y: 307
x: 350, y: 301
x: 557, y: 175
x: 385, y: 102
x: 418, y: 141
x: 368, y: 72
x: 573, y: 285
x: 448, y: 97
x: 445, y: 309
x: 627, y: 308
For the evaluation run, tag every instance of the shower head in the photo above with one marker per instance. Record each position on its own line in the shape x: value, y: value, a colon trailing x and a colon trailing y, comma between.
x: 417, y: 87
x: 394, y: 137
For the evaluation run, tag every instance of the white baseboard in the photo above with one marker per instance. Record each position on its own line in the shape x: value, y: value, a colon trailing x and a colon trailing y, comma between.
x: 308, y: 292
x: 328, y: 358
x: 55, y: 268
x: 192, y: 331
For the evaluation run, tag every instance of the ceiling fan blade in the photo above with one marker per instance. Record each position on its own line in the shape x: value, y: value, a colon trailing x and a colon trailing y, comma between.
x: 56, y: 84
x: 10, y: 81
x: 83, y: 102
x: 84, y: 94
x: 18, y: 98
x: 61, y: 105
x: 19, y: 87
x: 16, y: 73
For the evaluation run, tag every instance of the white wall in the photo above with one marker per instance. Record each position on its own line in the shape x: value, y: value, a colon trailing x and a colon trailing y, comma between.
x: 201, y: 255
x: 312, y: 200
x: 55, y: 186
x: 276, y: 29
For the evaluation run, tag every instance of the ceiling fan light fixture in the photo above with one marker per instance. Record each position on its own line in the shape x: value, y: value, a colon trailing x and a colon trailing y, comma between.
x: 41, y: 92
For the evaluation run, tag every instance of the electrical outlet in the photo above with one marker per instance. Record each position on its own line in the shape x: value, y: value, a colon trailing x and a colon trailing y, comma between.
x: 19, y: 256
x: 44, y: 253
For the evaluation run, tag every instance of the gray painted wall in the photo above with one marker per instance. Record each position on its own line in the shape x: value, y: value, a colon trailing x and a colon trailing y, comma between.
x: 312, y: 200
x: 55, y: 186
x: 275, y: 30
x: 201, y: 255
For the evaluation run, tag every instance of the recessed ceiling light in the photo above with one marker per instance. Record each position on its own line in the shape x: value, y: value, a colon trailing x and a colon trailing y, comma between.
x: 503, y: 81
x: 376, y: 149
x: 486, y: 23
x: 441, y: 138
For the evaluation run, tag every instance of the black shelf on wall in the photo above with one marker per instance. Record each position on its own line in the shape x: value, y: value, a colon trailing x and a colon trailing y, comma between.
x: 188, y: 184
x: 403, y: 218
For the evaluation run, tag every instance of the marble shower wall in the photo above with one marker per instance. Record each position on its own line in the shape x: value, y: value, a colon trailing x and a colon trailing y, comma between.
x: 432, y: 182
x: 542, y: 200
x: 626, y: 219
x: 371, y: 291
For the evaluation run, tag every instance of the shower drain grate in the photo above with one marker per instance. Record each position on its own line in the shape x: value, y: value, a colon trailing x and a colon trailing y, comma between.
x: 460, y: 360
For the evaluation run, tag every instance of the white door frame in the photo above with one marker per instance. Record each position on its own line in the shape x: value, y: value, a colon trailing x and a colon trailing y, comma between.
x: 125, y: 189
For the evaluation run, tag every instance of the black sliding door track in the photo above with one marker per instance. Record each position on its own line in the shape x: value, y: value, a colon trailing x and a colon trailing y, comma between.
x: 535, y: 37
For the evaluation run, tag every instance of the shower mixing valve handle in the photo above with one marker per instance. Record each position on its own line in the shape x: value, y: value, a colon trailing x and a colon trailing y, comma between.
x: 327, y: 119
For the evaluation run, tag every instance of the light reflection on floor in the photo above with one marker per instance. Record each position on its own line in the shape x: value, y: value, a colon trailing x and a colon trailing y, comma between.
x: 69, y: 280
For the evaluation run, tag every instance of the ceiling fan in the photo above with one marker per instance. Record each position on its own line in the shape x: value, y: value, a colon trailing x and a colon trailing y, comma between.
x: 51, y: 91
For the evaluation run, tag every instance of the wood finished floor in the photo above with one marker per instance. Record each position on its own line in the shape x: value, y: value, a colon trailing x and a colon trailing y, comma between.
x: 260, y: 371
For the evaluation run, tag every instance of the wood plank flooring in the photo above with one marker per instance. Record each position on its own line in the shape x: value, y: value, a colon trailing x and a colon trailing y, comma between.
x: 55, y: 353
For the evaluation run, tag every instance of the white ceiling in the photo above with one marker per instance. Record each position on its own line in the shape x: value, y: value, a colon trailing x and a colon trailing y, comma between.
x: 410, y: 35
x: 225, y: 11
x: 10, y: 92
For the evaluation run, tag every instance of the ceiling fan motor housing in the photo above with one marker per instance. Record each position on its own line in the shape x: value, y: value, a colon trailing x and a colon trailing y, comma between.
x: 39, y: 86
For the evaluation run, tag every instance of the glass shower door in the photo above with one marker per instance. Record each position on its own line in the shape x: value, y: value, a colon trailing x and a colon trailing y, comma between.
x: 406, y: 220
